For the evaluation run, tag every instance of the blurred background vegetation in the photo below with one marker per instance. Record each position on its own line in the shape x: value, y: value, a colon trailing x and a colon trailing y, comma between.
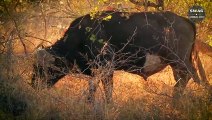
x: 36, y: 22
x: 28, y: 24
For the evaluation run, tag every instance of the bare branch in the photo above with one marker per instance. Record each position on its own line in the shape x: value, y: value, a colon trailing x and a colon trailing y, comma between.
x: 16, y: 28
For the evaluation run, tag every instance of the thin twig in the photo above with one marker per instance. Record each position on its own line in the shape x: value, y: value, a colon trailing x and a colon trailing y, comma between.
x: 16, y: 27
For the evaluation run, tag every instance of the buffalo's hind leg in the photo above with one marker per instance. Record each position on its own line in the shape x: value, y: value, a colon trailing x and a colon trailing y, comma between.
x: 182, y: 74
x: 181, y: 77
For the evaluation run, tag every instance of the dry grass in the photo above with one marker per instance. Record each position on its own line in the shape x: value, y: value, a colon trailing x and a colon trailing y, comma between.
x: 134, y: 98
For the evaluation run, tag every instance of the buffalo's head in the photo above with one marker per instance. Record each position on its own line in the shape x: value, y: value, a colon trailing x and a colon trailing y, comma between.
x: 48, y: 68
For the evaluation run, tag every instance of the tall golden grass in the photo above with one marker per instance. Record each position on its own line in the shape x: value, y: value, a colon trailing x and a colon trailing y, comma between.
x: 134, y: 98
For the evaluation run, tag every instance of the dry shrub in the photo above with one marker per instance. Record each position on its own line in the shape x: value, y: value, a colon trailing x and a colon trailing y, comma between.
x: 134, y: 98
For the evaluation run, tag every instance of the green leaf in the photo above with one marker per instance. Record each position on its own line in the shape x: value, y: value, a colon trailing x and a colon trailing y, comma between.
x: 88, y: 29
x: 101, y: 41
x: 93, y: 38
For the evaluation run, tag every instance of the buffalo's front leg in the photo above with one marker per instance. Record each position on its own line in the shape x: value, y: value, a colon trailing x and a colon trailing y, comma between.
x: 93, y: 84
x: 108, y: 87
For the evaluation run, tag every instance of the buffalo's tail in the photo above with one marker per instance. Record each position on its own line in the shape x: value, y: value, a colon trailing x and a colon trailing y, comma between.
x: 198, y: 65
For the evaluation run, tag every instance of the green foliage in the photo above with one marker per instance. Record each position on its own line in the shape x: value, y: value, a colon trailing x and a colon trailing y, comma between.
x: 88, y: 29
x: 133, y: 108
x: 93, y: 38
x: 101, y: 41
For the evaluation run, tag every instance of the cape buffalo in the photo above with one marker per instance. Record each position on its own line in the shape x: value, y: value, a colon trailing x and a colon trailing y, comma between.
x: 142, y: 43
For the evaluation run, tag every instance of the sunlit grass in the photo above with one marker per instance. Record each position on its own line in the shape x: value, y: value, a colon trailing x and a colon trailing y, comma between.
x: 134, y: 98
